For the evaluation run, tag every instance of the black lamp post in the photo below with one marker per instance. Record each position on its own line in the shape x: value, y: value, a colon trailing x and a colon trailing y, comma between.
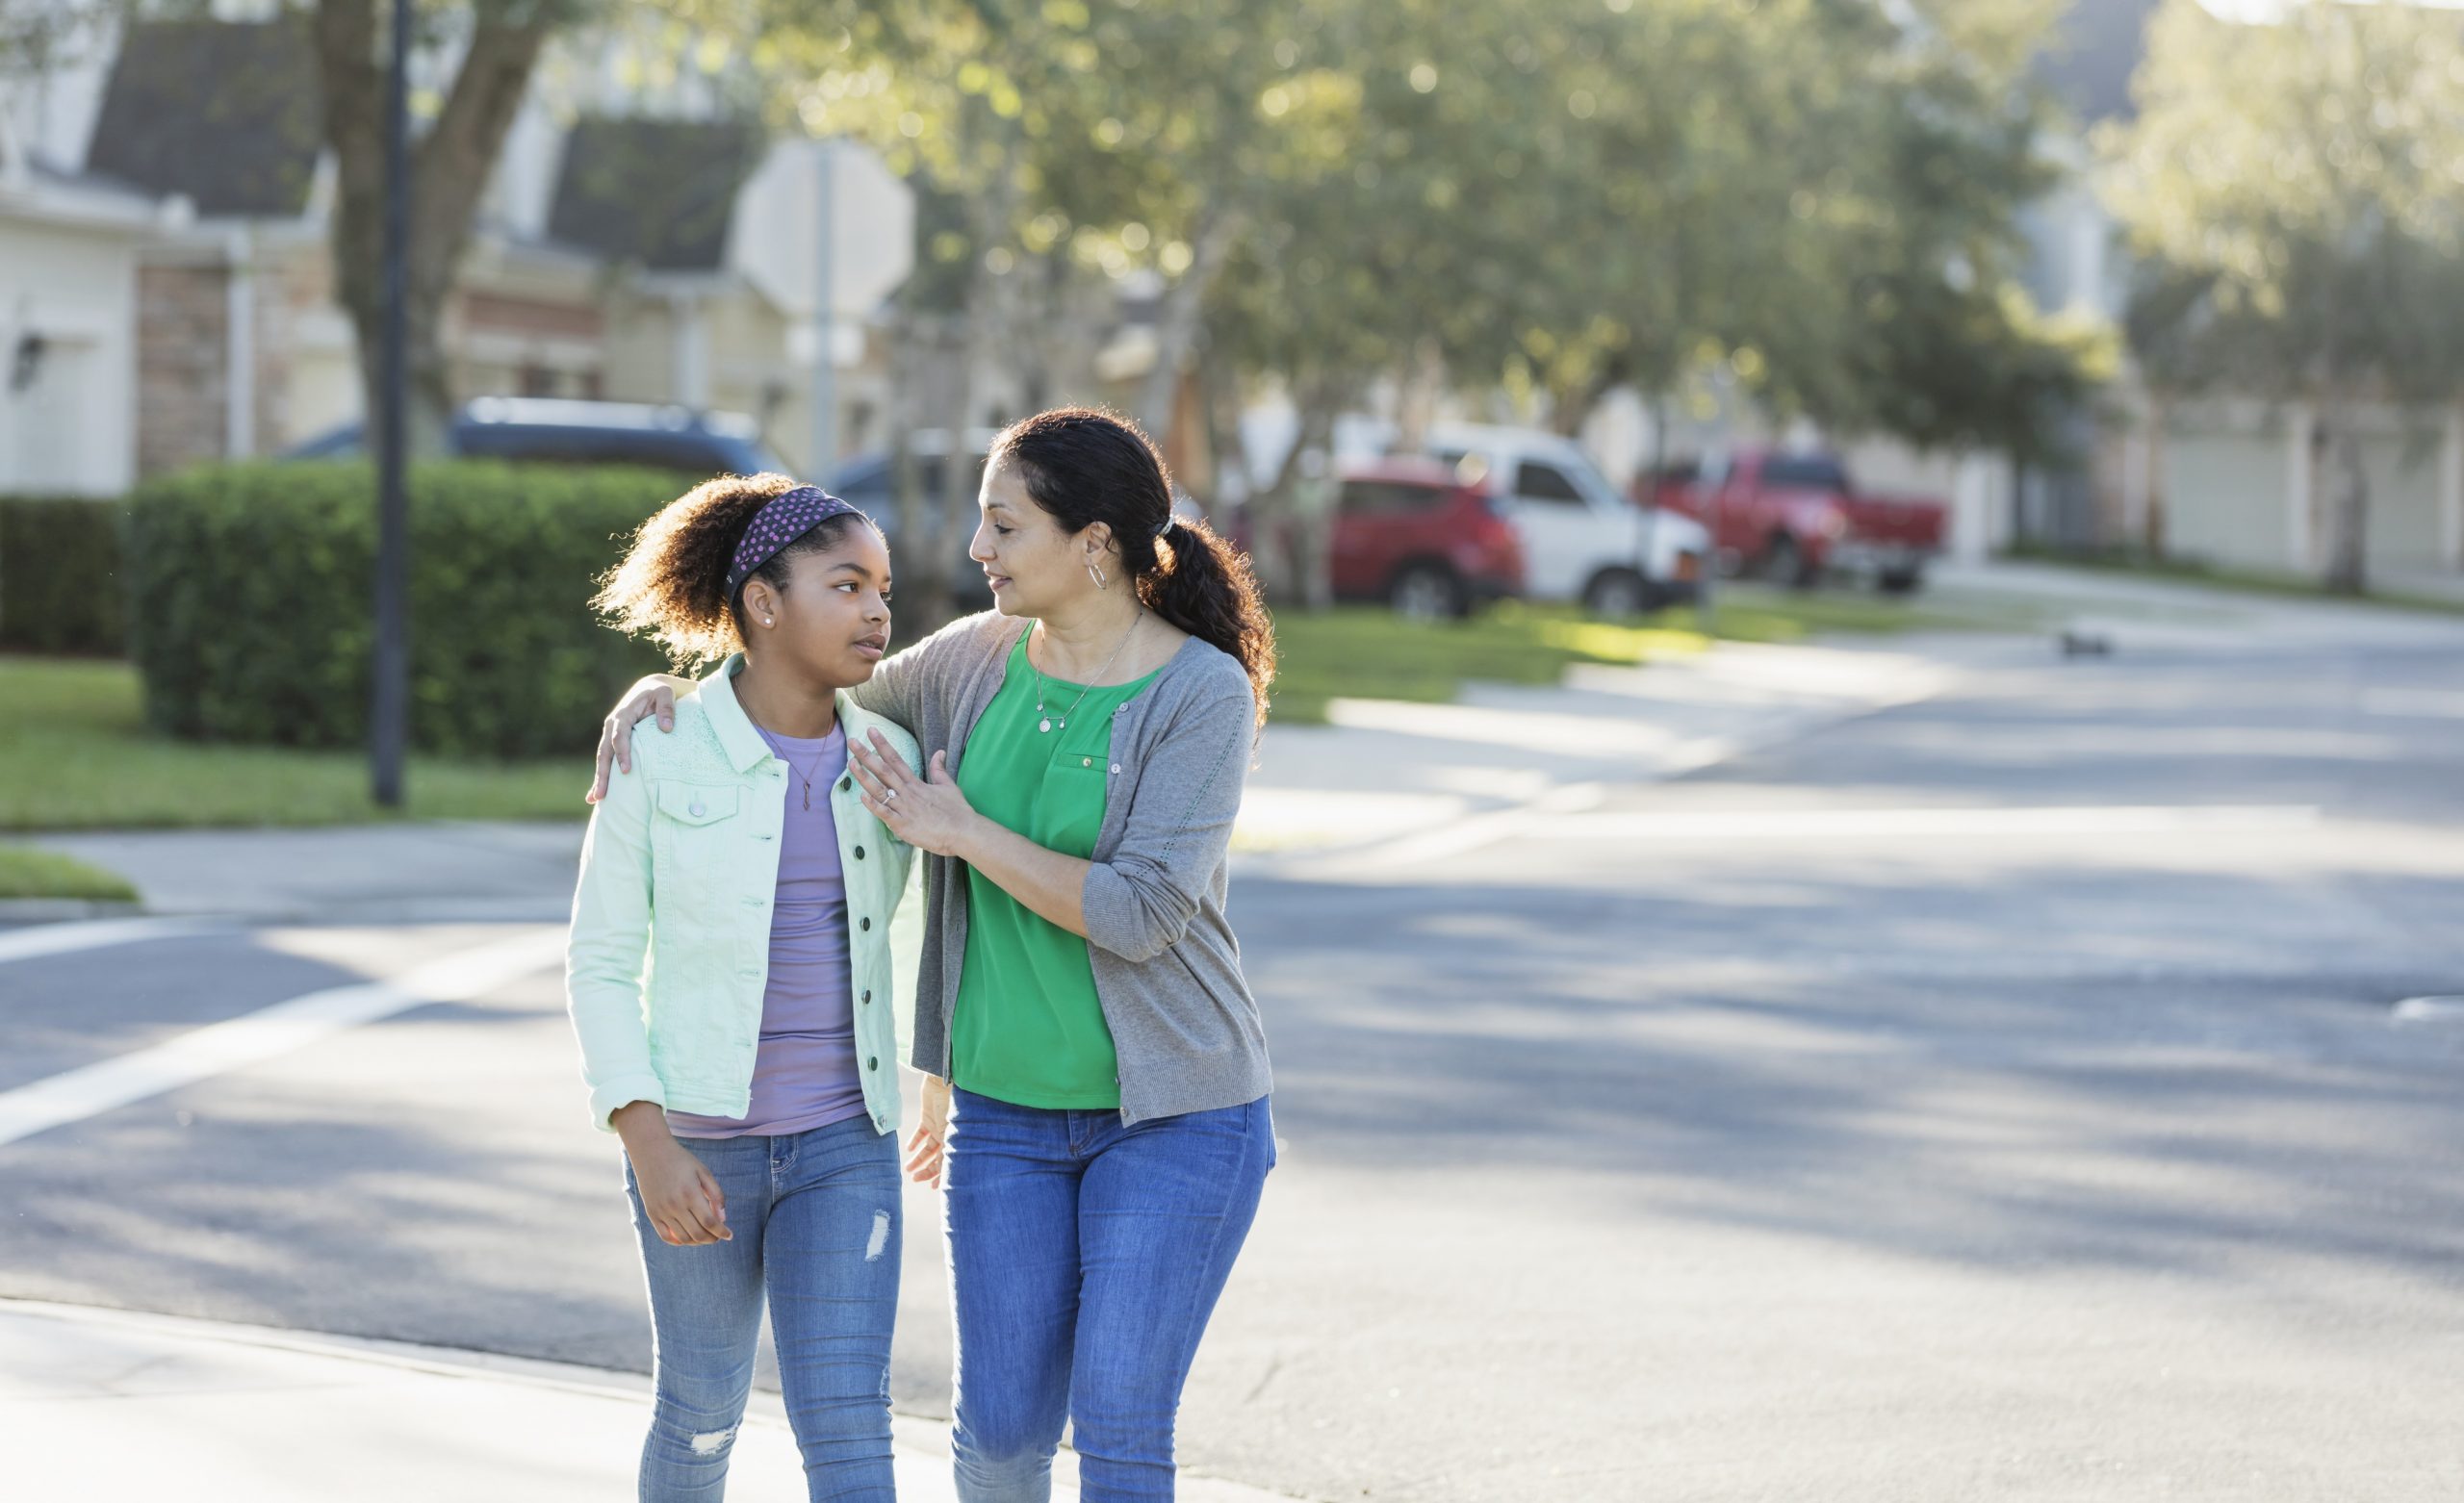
x: 389, y: 709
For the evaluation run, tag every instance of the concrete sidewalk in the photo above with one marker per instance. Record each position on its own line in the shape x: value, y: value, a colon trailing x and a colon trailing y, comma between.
x: 107, y: 1405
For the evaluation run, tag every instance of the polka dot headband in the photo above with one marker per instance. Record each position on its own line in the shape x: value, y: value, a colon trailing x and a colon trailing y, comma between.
x: 788, y: 517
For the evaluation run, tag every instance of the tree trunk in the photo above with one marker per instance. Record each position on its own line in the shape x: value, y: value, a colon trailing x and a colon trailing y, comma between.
x: 2347, y: 508
x: 449, y: 167
x: 922, y: 566
x: 1288, y: 541
x: 2160, y: 419
x: 1177, y: 322
x: 1220, y: 388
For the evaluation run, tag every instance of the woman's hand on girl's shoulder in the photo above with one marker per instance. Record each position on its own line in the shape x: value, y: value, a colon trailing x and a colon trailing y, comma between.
x: 928, y: 813
x: 652, y: 696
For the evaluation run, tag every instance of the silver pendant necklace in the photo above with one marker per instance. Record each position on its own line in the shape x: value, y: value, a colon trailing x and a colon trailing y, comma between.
x: 1048, y: 723
x: 782, y: 753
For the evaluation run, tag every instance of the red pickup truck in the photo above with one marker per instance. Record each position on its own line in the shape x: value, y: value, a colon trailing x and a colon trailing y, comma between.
x: 1794, y: 516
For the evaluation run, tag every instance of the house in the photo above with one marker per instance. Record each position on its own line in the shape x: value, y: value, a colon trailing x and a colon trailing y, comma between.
x: 644, y: 249
x: 68, y: 263
x: 2228, y: 479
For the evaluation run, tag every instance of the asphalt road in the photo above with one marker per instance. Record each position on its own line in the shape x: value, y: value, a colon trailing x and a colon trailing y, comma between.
x: 1830, y: 1125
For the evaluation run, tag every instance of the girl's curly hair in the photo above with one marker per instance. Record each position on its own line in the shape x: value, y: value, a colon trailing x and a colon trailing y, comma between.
x: 671, y: 583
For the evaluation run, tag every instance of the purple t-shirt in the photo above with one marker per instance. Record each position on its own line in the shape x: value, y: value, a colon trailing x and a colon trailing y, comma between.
x: 804, y: 1073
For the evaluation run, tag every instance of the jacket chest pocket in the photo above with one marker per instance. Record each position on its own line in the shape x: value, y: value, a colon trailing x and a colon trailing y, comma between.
x: 694, y: 824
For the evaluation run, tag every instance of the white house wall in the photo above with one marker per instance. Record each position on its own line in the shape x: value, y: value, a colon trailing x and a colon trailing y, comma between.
x: 2240, y: 488
x: 72, y: 430
x: 2225, y: 492
x: 2401, y: 523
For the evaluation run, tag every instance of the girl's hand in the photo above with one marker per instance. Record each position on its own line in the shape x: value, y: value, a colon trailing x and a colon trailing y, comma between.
x: 649, y: 697
x: 685, y: 1205
x: 924, y: 1144
x: 928, y: 813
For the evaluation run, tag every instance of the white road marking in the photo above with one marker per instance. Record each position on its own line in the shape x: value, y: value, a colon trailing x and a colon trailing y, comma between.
x: 53, y: 939
x: 2430, y: 1009
x: 74, y: 1095
x: 1920, y: 823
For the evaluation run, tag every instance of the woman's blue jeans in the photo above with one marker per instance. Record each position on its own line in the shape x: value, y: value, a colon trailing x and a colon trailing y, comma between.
x: 816, y: 1223
x: 1085, y: 1259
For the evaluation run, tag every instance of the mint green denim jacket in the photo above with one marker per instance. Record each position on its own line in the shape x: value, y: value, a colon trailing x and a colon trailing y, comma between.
x: 679, y: 870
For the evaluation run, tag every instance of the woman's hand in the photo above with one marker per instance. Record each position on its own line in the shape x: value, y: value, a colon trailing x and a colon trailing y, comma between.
x: 646, y: 697
x: 924, y: 1144
x: 929, y: 813
x: 685, y: 1205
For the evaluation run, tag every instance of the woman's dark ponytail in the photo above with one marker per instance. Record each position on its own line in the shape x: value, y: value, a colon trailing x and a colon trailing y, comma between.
x: 1210, y: 592
x: 1085, y: 467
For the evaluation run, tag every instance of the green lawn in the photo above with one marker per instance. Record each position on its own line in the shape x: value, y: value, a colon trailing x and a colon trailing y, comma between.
x: 76, y: 754
x: 1369, y: 652
x: 26, y: 873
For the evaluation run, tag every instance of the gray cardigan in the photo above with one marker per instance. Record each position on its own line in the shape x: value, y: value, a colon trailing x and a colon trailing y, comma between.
x: 1167, y: 970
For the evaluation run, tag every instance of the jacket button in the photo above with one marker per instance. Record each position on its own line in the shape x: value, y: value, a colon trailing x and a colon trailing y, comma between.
x: 1084, y: 761
x: 864, y: 924
x: 696, y: 810
x: 868, y: 995
x: 845, y: 783
x: 860, y: 853
x: 874, y: 1063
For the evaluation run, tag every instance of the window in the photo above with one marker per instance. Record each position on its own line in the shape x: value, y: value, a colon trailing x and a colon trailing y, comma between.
x: 1805, y: 472
x: 1538, y: 482
x: 1387, y: 498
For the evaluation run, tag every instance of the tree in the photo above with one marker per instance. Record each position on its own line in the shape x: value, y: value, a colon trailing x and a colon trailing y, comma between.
x: 2297, y: 191
x: 498, y: 44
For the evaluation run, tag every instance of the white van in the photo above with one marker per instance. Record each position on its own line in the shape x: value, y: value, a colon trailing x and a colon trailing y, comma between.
x: 1581, y: 539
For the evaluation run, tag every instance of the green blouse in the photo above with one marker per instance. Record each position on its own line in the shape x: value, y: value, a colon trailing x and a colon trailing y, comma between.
x: 1028, y: 1028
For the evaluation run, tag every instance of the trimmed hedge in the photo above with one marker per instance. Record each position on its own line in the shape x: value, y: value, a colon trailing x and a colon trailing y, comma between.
x: 252, y: 588
x: 60, y: 589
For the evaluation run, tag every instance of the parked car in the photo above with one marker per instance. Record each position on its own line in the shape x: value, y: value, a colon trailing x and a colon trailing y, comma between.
x: 559, y: 431
x: 1794, y: 516
x: 1580, y: 540
x: 1413, y: 534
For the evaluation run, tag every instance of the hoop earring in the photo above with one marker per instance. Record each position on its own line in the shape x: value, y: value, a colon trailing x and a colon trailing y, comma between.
x: 1097, y: 575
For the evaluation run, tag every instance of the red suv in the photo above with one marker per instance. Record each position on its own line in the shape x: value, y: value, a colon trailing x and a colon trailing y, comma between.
x: 1412, y: 533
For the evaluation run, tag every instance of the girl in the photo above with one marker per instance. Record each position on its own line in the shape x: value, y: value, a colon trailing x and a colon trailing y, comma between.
x: 1098, y: 1072
x: 750, y: 1066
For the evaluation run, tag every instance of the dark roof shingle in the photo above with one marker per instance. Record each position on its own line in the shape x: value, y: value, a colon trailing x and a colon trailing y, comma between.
x: 227, y: 113
x: 656, y: 192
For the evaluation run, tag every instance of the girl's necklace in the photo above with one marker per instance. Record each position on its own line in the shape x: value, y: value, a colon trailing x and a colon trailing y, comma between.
x: 1048, y: 723
x: 781, y: 753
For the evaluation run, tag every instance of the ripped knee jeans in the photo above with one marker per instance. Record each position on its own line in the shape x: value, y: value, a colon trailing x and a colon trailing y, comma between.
x: 816, y: 1223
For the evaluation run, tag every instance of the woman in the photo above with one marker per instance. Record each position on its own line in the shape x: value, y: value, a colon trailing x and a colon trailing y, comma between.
x: 1087, y: 1039
x: 750, y: 1067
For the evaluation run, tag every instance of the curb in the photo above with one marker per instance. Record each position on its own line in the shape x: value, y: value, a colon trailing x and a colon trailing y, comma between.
x: 65, y: 911
x: 918, y: 1435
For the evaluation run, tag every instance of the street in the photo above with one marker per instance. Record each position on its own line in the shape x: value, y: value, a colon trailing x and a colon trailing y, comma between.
x: 1829, y: 1123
